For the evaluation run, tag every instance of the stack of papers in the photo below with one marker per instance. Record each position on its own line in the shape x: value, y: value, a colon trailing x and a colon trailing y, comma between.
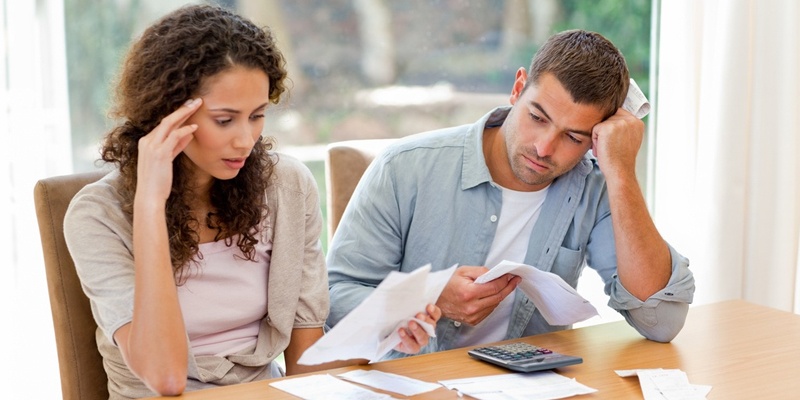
x: 666, y: 384
x: 326, y: 387
x: 545, y: 385
x: 559, y: 303
x: 370, y: 330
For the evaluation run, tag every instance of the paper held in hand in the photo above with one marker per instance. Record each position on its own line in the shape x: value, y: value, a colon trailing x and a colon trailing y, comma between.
x: 559, y: 303
x: 370, y: 330
x: 635, y: 102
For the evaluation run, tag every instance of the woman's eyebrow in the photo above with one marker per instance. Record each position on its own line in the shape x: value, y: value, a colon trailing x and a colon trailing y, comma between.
x: 231, y: 110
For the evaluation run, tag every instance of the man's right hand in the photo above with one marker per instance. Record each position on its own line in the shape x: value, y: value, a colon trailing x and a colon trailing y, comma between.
x: 465, y: 301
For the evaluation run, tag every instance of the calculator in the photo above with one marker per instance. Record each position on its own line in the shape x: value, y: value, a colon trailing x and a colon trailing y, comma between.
x: 523, y: 357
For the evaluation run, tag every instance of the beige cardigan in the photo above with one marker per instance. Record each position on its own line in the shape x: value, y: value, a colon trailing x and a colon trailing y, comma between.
x: 99, y: 237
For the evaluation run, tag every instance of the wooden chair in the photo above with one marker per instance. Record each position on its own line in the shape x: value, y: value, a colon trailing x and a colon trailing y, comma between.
x: 79, y: 361
x: 345, y: 163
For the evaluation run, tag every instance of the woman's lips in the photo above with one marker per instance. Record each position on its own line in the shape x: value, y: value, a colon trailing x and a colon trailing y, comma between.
x: 234, y: 163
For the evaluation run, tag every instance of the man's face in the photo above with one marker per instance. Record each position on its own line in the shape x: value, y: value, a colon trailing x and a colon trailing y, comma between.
x: 546, y: 133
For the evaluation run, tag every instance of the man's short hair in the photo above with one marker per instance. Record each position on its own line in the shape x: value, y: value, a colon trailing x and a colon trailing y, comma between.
x: 587, y: 64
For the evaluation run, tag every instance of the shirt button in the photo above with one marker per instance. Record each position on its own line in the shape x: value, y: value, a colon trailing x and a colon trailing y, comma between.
x: 493, y: 218
x: 456, y: 323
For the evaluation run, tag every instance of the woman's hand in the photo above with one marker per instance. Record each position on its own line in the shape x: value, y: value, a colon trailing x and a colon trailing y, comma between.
x: 413, y: 336
x: 159, y: 148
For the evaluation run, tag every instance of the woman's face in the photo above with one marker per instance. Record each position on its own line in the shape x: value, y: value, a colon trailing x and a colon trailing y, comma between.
x: 229, y: 122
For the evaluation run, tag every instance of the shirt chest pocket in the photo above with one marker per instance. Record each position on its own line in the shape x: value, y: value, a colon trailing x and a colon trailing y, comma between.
x: 568, y: 264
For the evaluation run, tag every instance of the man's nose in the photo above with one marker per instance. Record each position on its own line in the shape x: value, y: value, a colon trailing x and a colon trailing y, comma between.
x: 546, y: 144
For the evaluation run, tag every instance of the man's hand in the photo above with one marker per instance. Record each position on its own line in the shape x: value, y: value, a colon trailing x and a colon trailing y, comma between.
x: 616, y: 142
x: 413, y: 336
x: 466, y: 301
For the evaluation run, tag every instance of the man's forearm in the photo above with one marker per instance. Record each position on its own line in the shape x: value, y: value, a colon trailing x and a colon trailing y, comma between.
x: 643, y: 258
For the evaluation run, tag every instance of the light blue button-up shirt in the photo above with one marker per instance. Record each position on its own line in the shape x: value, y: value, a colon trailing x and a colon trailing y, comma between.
x: 429, y: 198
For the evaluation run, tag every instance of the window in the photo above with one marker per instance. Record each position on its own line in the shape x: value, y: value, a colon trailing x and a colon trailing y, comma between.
x: 363, y: 68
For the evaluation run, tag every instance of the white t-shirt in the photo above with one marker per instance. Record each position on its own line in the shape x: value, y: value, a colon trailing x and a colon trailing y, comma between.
x: 518, y: 214
x: 225, y: 298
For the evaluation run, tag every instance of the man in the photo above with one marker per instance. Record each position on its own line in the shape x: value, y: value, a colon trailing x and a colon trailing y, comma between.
x: 519, y: 185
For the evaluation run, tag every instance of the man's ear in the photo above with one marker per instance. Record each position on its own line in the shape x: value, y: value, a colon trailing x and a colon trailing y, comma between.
x: 519, y: 85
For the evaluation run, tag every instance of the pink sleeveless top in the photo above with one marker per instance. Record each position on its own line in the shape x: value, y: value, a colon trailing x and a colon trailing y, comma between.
x: 225, y: 298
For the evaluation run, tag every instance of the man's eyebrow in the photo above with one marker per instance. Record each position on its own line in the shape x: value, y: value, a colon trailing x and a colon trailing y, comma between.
x: 575, y: 131
x: 539, y: 107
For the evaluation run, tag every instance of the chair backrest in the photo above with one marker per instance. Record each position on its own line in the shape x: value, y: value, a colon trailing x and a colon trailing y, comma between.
x: 345, y: 162
x: 79, y: 361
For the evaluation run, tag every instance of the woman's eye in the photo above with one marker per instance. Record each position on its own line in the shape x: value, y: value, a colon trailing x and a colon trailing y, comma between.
x: 257, y: 116
x: 224, y: 121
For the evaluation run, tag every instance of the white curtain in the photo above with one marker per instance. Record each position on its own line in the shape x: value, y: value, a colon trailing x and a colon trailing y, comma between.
x: 727, y: 145
x: 34, y: 143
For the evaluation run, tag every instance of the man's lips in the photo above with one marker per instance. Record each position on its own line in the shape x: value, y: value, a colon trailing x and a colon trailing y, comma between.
x: 536, y: 164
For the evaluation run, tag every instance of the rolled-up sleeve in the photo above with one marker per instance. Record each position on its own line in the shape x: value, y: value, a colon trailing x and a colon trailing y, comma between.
x: 662, y: 315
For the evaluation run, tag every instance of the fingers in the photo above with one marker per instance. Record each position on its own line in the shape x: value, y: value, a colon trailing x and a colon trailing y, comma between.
x: 434, y: 312
x: 496, y: 285
x: 485, y: 305
x: 173, y: 122
x: 512, y: 284
x: 471, y: 272
x: 412, y: 338
x: 170, y: 132
x: 181, y: 136
x: 466, y: 301
x: 158, y: 149
x: 179, y: 116
x: 616, y: 142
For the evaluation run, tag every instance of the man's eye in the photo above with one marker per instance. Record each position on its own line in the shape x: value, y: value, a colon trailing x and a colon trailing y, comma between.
x: 535, y: 117
x: 575, y: 139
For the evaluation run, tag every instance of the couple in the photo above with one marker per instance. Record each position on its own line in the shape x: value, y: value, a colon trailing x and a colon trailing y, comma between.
x: 200, y: 252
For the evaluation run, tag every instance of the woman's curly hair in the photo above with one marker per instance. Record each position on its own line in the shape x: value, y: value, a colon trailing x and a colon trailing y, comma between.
x: 168, y: 65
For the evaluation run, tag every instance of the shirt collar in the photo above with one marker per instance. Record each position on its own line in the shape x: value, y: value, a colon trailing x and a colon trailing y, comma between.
x: 474, y: 171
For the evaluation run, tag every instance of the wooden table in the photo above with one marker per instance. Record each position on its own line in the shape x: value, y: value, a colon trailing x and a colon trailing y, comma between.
x: 743, y: 350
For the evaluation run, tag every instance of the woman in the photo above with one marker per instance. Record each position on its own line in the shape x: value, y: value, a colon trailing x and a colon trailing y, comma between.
x: 200, y: 252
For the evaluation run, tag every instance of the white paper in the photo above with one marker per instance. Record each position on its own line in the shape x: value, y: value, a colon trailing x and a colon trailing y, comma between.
x: 530, y: 386
x: 666, y: 384
x: 635, y: 102
x: 370, y: 330
x: 326, y: 387
x: 559, y: 303
x: 389, y: 382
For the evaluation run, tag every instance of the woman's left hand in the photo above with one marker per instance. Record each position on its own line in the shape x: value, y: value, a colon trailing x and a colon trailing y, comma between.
x: 413, y: 337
